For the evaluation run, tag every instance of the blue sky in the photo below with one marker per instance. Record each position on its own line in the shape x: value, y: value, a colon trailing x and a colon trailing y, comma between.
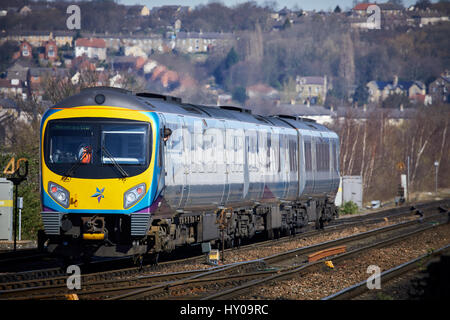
x: 303, y: 4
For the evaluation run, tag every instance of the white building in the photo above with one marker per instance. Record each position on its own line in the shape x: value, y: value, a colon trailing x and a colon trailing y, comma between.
x: 93, y: 48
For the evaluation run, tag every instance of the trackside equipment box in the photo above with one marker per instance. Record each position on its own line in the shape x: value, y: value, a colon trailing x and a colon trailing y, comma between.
x: 6, y: 209
x: 350, y: 189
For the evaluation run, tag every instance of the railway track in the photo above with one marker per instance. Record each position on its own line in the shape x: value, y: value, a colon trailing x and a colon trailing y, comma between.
x: 237, y: 275
x: 360, y: 288
x: 315, y: 266
x: 55, y: 273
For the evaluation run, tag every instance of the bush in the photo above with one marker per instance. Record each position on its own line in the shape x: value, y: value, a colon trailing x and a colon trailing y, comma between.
x: 349, y: 207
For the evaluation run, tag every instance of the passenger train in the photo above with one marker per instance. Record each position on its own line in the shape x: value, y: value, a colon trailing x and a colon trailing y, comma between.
x: 126, y: 174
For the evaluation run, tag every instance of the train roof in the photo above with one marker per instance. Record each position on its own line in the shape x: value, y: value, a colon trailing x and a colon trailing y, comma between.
x: 116, y: 97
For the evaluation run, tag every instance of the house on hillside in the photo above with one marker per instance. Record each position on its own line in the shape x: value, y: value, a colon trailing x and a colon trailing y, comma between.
x: 51, y: 50
x: 439, y: 89
x: 197, y: 42
x: 36, y: 38
x: 25, y: 50
x: 138, y: 10
x: 18, y: 72
x: 380, y: 90
x: 13, y: 88
x: 361, y: 9
x: 93, y: 48
x: 390, y: 8
x: 312, y: 89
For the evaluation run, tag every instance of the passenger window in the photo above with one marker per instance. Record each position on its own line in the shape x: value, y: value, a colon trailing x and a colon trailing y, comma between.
x: 308, y: 160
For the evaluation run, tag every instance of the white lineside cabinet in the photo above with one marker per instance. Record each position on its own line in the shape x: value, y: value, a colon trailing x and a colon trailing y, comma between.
x: 350, y: 189
x: 6, y: 209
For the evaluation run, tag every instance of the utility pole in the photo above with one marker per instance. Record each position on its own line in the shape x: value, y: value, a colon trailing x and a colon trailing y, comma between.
x: 407, y: 182
x: 436, y: 164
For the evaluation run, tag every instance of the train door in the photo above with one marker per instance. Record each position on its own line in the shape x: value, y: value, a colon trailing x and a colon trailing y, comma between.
x: 234, y: 157
x: 175, y: 181
x: 284, y: 163
x: 336, y: 175
x: 322, y: 174
x: 226, y: 163
x: 308, y: 163
x: 160, y: 154
x: 292, y: 153
x: 301, y: 177
x: 254, y: 170
x: 215, y: 176
x: 314, y: 163
x: 198, y: 173
x: 246, y: 167
x: 187, y: 136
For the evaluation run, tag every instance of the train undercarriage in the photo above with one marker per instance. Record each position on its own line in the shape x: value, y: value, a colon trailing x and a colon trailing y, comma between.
x: 109, y: 235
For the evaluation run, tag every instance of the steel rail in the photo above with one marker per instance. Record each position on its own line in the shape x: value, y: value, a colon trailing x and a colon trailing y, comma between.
x: 60, y: 282
x: 308, y: 267
x: 361, y: 287
x: 142, y: 292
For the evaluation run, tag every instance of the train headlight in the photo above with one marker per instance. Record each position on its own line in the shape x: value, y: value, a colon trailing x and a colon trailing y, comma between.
x: 133, y: 195
x: 59, y: 194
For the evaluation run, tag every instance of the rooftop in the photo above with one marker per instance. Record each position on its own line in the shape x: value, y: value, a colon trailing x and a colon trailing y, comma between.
x: 91, y: 42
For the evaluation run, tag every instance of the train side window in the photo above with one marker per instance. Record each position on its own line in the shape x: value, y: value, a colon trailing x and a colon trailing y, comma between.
x: 308, y: 159
x: 323, y: 156
x: 335, y: 156
x: 292, y: 155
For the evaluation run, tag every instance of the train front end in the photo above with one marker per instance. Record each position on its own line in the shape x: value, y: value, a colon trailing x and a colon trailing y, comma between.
x: 99, y: 179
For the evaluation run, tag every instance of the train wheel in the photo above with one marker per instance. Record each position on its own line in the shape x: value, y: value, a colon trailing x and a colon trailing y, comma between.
x: 276, y: 233
x: 154, y: 258
x: 230, y: 243
x: 319, y: 224
x: 138, y: 260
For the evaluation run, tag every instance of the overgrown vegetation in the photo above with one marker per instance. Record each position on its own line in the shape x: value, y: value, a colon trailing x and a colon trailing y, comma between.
x: 348, y: 207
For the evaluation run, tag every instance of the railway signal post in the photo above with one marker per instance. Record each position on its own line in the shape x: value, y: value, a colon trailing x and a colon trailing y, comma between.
x: 16, y: 178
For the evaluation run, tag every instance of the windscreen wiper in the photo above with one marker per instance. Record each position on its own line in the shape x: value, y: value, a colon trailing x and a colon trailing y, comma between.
x: 118, y: 166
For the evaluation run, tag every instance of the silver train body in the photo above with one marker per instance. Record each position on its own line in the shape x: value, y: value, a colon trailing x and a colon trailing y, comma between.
x: 272, y: 174
x: 229, y: 158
